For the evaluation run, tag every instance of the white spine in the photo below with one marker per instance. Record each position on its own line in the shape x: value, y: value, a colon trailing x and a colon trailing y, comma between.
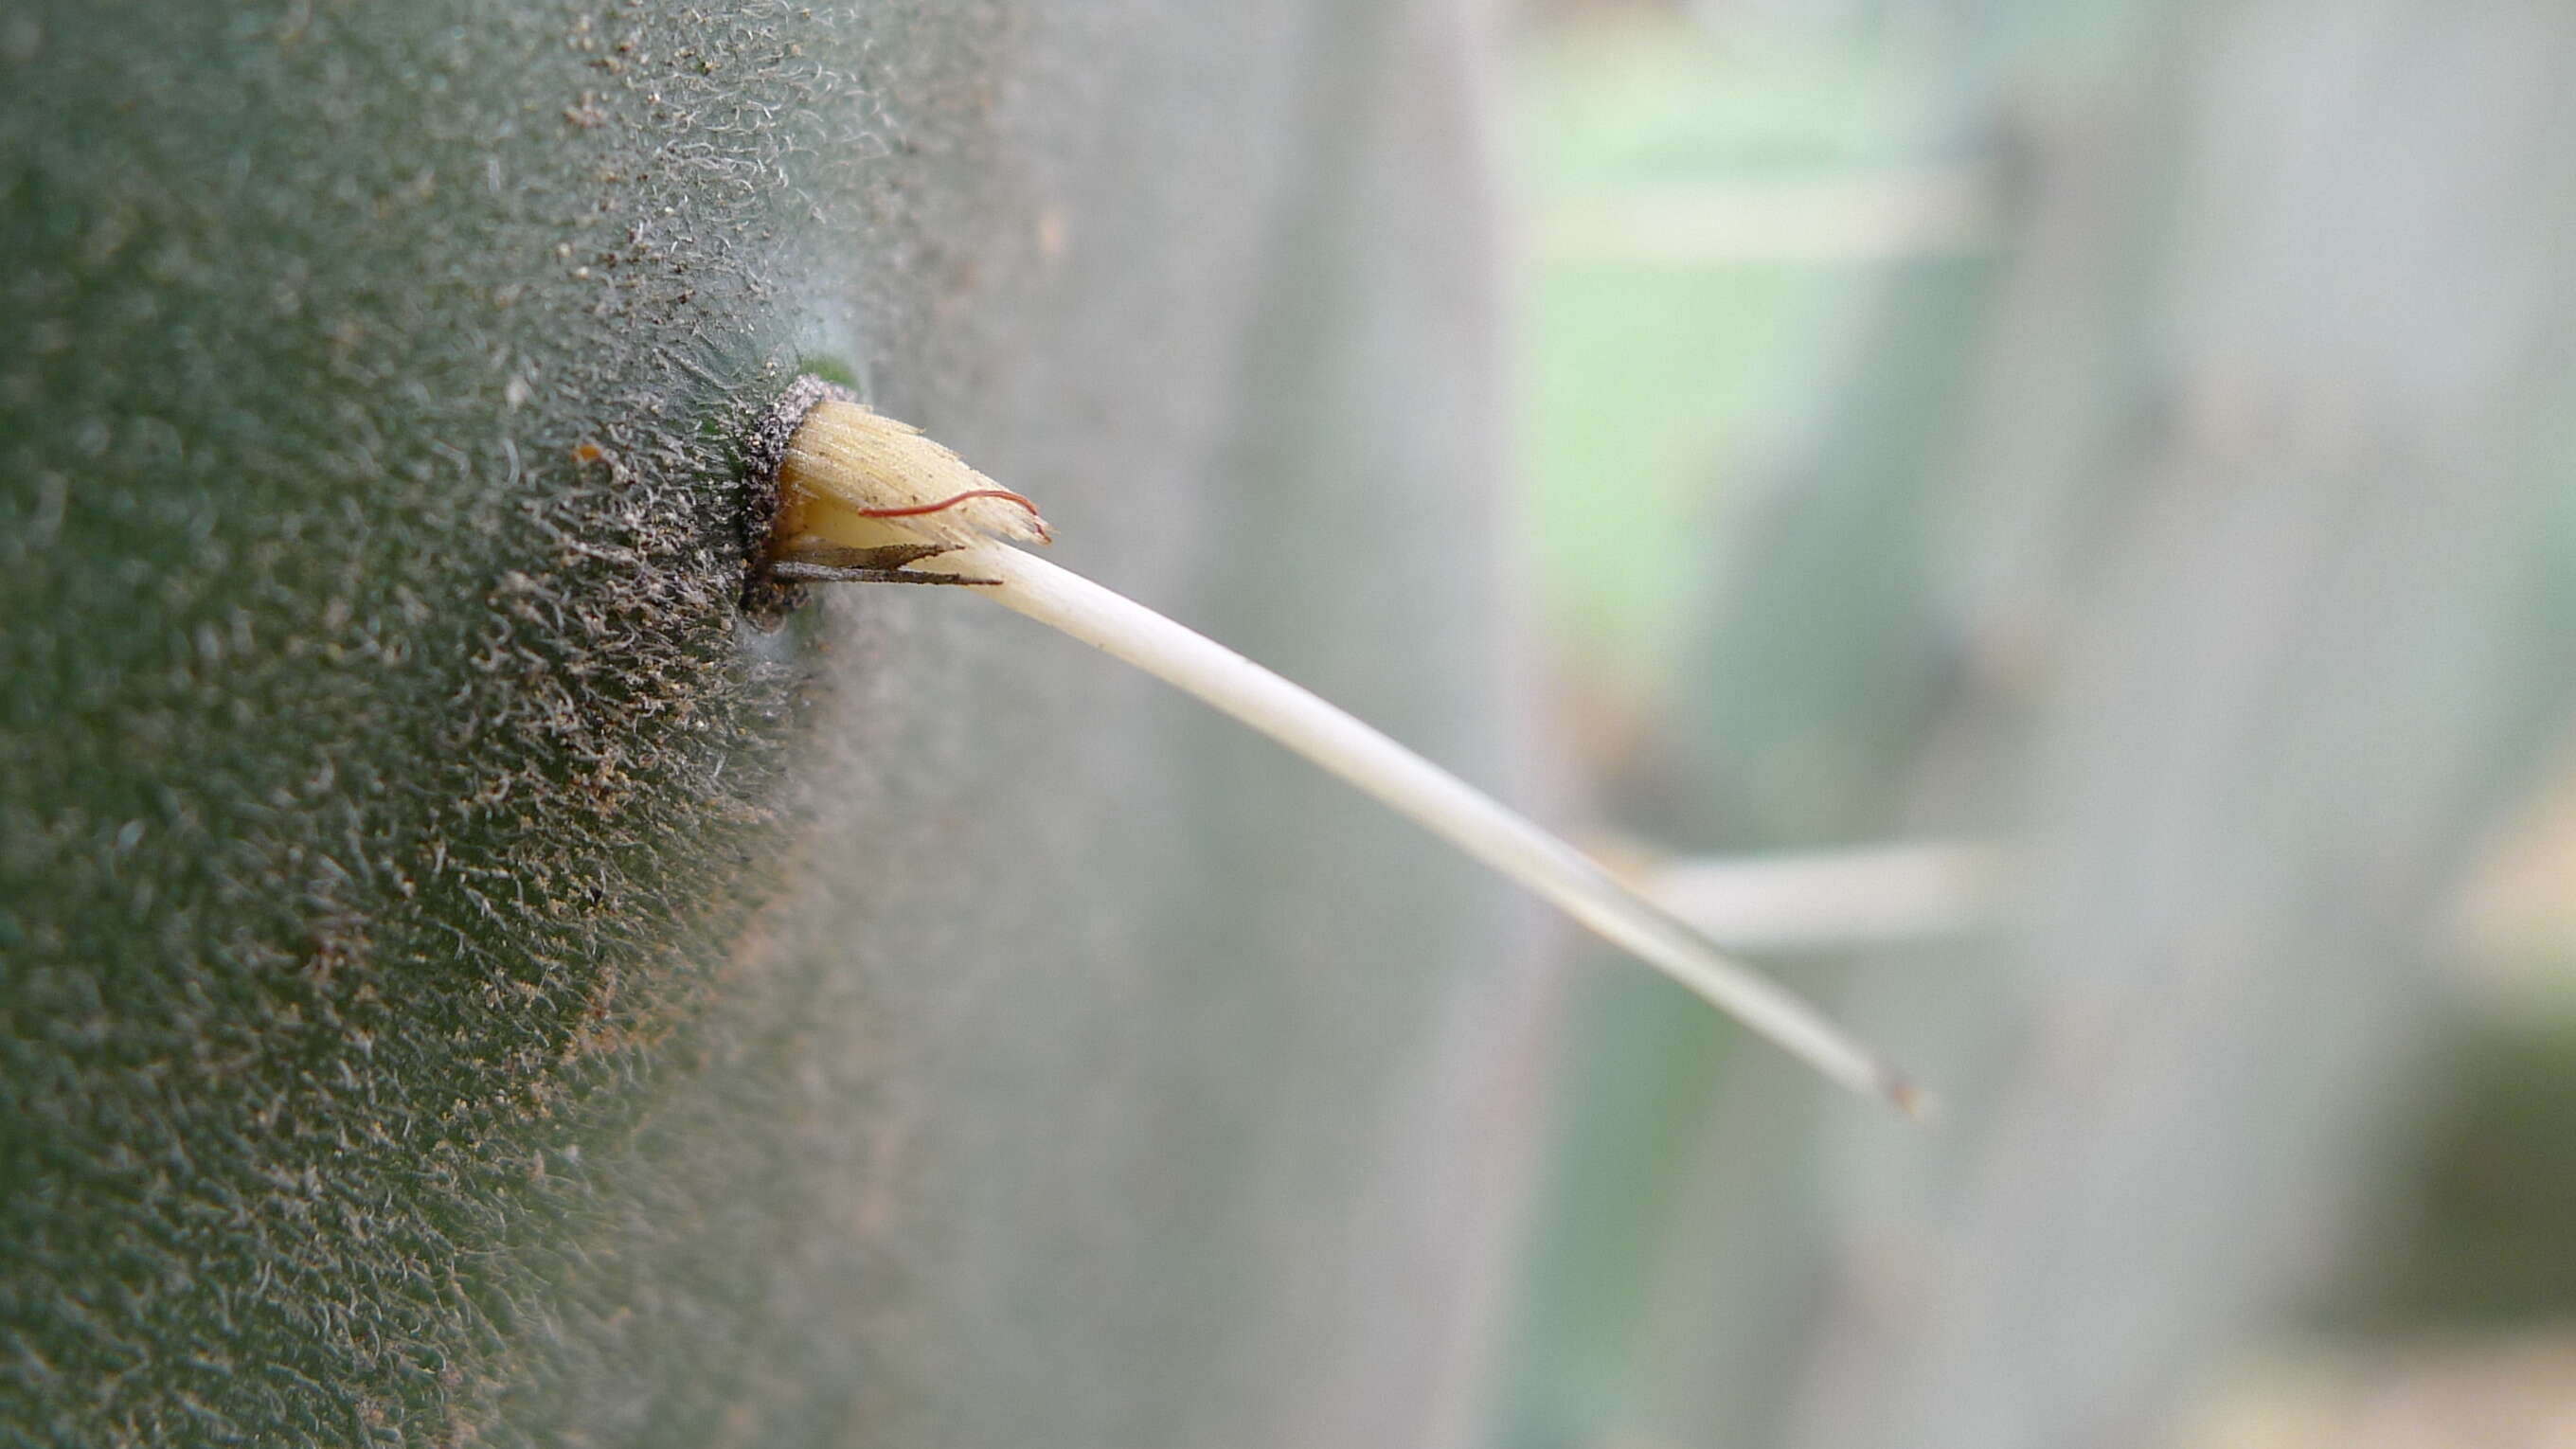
x: 1414, y: 786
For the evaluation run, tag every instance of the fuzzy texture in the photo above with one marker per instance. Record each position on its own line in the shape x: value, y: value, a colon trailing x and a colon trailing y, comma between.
x: 459, y: 983
x: 381, y: 774
x: 767, y: 600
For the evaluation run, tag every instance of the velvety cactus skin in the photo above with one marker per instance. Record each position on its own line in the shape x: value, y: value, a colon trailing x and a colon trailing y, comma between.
x: 459, y: 980
x: 371, y: 567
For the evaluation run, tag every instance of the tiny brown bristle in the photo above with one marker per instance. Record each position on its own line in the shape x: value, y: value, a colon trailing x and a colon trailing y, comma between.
x: 1913, y: 1101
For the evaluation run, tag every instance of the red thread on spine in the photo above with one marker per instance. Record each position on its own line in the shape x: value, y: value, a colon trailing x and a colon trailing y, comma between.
x: 915, y: 510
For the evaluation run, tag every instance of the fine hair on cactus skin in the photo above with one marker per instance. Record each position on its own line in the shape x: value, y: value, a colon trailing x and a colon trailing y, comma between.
x: 863, y: 498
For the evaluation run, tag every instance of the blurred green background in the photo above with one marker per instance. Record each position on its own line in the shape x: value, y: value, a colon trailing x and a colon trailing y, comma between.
x: 1690, y: 220
x: 1709, y: 196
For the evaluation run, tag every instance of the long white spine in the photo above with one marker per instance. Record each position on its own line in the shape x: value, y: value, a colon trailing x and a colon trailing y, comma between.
x: 1412, y: 785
